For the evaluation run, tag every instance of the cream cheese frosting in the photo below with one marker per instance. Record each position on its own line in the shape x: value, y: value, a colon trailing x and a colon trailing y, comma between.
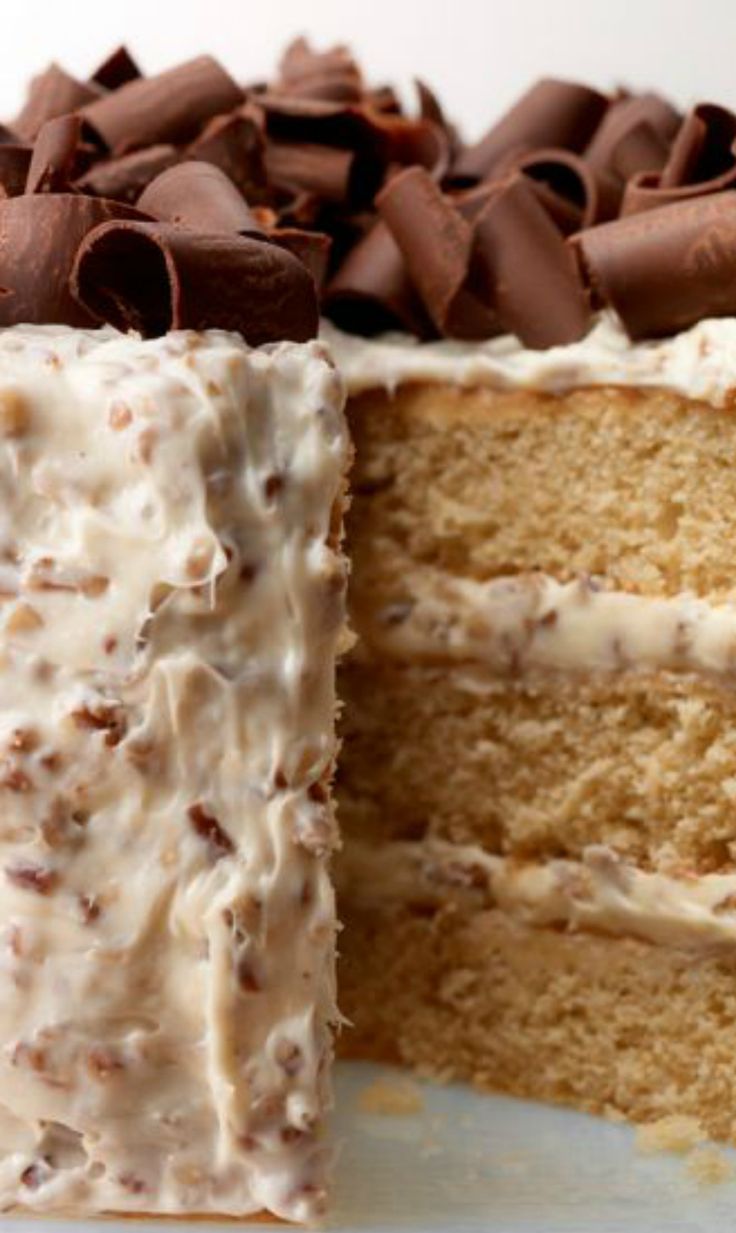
x: 600, y: 892
x: 171, y: 599
x: 532, y: 621
x: 698, y: 363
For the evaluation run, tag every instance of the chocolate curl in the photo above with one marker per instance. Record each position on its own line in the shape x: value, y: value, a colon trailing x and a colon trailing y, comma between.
x: 168, y: 108
x: 703, y: 151
x: 420, y: 142
x: 14, y: 163
x: 39, y: 238
x: 200, y: 196
x: 702, y: 161
x: 117, y: 70
x: 436, y: 243
x: 431, y: 109
x: 124, y: 179
x: 333, y: 74
x: 551, y: 113
x: 235, y: 144
x: 350, y: 126
x: 531, y: 275
x: 572, y: 194
x: 312, y: 248
x: 53, y: 93
x: 54, y: 156
x: 323, y: 170
x: 666, y: 269
x: 383, y: 98
x: 155, y: 277
x: 372, y: 292
x: 632, y: 133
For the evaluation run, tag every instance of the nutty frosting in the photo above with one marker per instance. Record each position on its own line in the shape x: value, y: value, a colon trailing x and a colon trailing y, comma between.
x: 170, y: 602
x: 573, y: 200
x: 699, y: 363
x: 532, y: 621
x: 601, y: 892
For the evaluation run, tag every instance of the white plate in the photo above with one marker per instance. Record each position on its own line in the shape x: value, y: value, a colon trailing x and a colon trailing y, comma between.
x: 485, y: 1164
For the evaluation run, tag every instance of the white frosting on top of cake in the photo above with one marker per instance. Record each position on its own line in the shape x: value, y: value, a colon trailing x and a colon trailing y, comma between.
x: 698, y: 363
x: 170, y: 604
x: 530, y: 620
x: 600, y: 892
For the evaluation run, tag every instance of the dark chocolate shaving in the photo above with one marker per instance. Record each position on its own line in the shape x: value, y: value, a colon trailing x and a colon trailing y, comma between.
x: 14, y: 163
x: 436, y: 243
x: 53, y: 93
x: 117, y: 70
x: 170, y: 107
x: 311, y: 247
x: 156, y: 277
x: 54, y: 157
x: 125, y: 178
x: 702, y: 160
x: 668, y: 268
x: 200, y: 196
x: 39, y: 238
x: 235, y: 143
x: 372, y: 291
x: 609, y: 149
x: 333, y: 74
x: 573, y: 195
x: 322, y: 170
x: 551, y: 113
x: 531, y: 275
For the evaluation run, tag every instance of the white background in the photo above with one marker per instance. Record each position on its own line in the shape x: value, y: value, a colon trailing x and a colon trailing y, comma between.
x: 478, y: 53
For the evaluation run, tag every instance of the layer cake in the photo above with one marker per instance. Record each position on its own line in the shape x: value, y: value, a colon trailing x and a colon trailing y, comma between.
x: 538, y: 875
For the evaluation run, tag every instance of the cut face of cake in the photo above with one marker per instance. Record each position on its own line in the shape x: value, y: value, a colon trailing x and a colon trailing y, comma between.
x: 536, y: 783
x: 171, y: 603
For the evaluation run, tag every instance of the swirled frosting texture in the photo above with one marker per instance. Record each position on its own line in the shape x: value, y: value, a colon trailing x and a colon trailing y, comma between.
x: 170, y: 603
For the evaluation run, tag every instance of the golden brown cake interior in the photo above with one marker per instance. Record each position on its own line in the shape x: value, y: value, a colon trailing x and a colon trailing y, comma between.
x: 540, y: 767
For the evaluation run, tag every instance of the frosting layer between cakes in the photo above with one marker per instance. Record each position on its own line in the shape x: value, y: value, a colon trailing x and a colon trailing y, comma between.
x: 599, y: 893
x: 171, y: 601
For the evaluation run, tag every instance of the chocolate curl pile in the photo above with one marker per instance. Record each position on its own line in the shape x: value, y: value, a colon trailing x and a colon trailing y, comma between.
x: 75, y: 249
x: 185, y: 200
x: 504, y: 267
x: 190, y: 269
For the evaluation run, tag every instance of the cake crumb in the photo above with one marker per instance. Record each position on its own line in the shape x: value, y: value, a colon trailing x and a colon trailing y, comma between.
x: 391, y: 1098
x: 709, y: 1166
x: 676, y: 1133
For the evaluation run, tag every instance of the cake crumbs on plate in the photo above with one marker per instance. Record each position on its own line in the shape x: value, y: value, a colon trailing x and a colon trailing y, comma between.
x: 709, y: 1166
x: 391, y: 1097
x: 675, y: 1133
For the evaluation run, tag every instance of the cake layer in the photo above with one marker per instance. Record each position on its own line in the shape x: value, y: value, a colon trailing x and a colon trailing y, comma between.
x: 541, y: 765
x: 637, y: 486
x: 610, y: 1025
x: 171, y: 603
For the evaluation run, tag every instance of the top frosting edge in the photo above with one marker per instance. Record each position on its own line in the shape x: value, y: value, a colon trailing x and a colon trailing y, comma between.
x: 699, y: 363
